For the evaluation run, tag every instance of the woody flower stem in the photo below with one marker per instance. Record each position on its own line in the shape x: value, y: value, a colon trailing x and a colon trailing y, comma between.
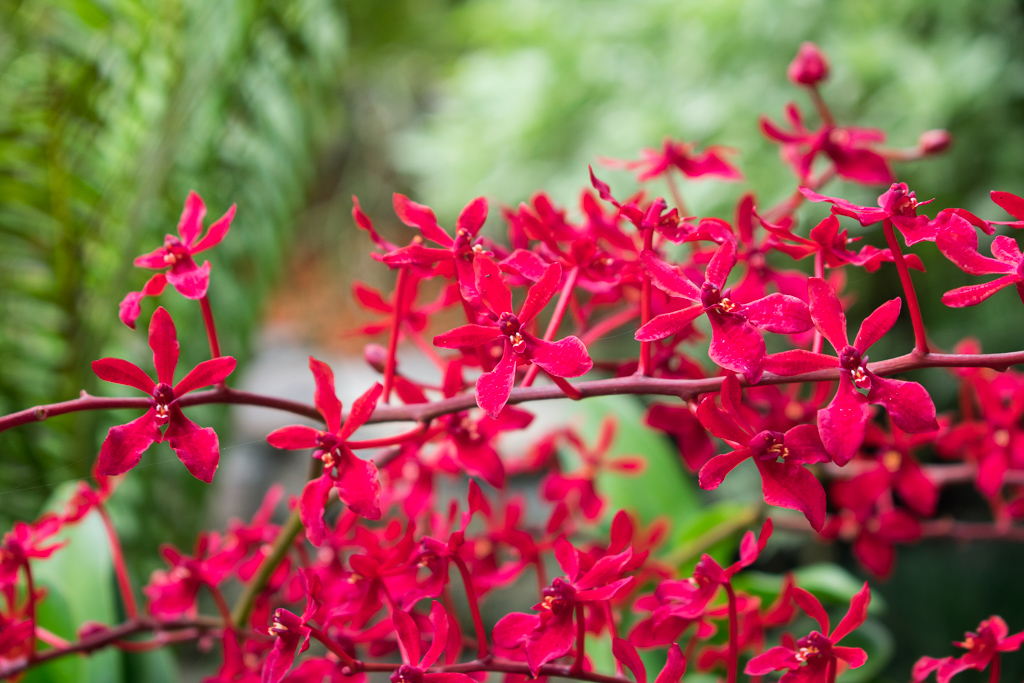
x: 564, y: 297
x: 389, y: 367
x: 474, y: 607
x: 734, y: 634
x: 920, y: 341
x: 211, y: 329
x: 222, y: 606
x: 124, y: 582
x: 644, y: 367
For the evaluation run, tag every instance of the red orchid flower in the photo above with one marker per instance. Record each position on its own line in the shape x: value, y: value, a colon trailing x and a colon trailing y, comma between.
x: 550, y: 634
x: 808, y: 661
x: 414, y: 668
x: 196, y: 447
x: 736, y: 344
x: 579, y: 488
x: 290, y: 632
x: 983, y: 648
x: 897, y: 204
x: 354, y: 478
x: 689, y: 598
x: 849, y: 148
x: 184, y: 275
x: 672, y: 672
x: 873, y: 535
x: 174, y: 591
x: 682, y: 157
x: 959, y: 243
x: 456, y: 256
x: 565, y: 358
x: 843, y: 422
x: 826, y: 238
x: 786, y: 483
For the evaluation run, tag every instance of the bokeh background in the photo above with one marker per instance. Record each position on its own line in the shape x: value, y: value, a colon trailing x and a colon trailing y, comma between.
x: 112, y: 110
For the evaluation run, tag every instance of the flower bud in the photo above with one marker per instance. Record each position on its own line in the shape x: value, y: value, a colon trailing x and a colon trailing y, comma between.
x: 376, y: 356
x: 809, y: 67
x: 934, y: 141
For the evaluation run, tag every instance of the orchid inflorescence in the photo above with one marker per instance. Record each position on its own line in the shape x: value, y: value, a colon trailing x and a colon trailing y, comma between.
x: 377, y: 595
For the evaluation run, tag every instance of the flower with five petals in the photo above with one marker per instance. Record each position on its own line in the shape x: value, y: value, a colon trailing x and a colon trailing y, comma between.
x: 196, y: 447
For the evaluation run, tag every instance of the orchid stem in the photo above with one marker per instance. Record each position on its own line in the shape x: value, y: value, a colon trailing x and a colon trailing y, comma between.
x: 345, y: 657
x: 31, y: 587
x: 211, y: 328
x: 124, y: 581
x: 581, y: 636
x: 389, y: 367
x: 474, y: 607
x: 222, y: 605
x: 993, y: 674
x: 677, y: 196
x: 285, y: 538
x: 734, y: 634
x: 644, y: 366
x: 821, y: 107
x: 920, y: 340
x: 819, y: 272
x: 556, y: 319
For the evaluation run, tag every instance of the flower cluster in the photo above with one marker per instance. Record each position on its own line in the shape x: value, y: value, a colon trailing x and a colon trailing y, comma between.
x: 358, y: 580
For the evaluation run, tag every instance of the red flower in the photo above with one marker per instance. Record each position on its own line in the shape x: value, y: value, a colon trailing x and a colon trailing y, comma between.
x: 848, y: 148
x: 550, y: 634
x: 184, y: 275
x: 290, y: 632
x: 959, y: 243
x: 174, y: 591
x: 355, y: 478
x: 843, y: 422
x: 897, y: 204
x: 680, y: 156
x: 735, y: 342
x: 196, y: 447
x: 565, y: 358
x: 784, y: 483
x: 809, y: 660
x: 982, y: 648
x: 414, y: 667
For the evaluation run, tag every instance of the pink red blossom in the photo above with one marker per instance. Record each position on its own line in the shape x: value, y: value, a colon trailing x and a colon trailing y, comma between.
x: 196, y: 447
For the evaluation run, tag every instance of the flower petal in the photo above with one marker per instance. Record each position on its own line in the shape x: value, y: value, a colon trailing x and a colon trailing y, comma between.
x: 625, y: 652
x: 666, y: 324
x: 191, y: 221
x: 855, y: 616
x: 359, y: 488
x: 565, y: 358
x: 675, y: 666
x: 191, y: 283
x: 877, y: 324
x: 827, y: 313
x: 472, y: 217
x: 419, y: 216
x: 721, y: 265
x: 361, y: 411
x: 208, y: 372
x: 667, y: 278
x: 714, y: 471
x: 216, y: 233
x: 163, y: 339
x: 797, y: 362
x: 125, y: 444
x: 490, y: 283
x: 972, y: 295
x: 908, y: 404
x: 130, y: 307
x: 540, y: 294
x: 121, y: 371
x: 198, y: 448
x: 294, y: 437
x: 779, y: 313
x: 311, y: 507
x: 493, y: 388
x: 736, y: 346
x: 843, y: 422
x: 467, y: 336
x: 324, y: 397
x: 793, y: 487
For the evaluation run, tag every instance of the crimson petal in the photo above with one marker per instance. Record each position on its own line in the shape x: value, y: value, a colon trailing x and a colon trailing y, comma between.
x: 191, y: 283
x: 121, y: 371
x: 208, y: 372
x: 843, y: 422
x: 163, y: 339
x: 125, y: 444
x: 793, y: 487
x: 565, y: 358
x: 198, y: 448
x: 908, y: 404
x: 359, y: 488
